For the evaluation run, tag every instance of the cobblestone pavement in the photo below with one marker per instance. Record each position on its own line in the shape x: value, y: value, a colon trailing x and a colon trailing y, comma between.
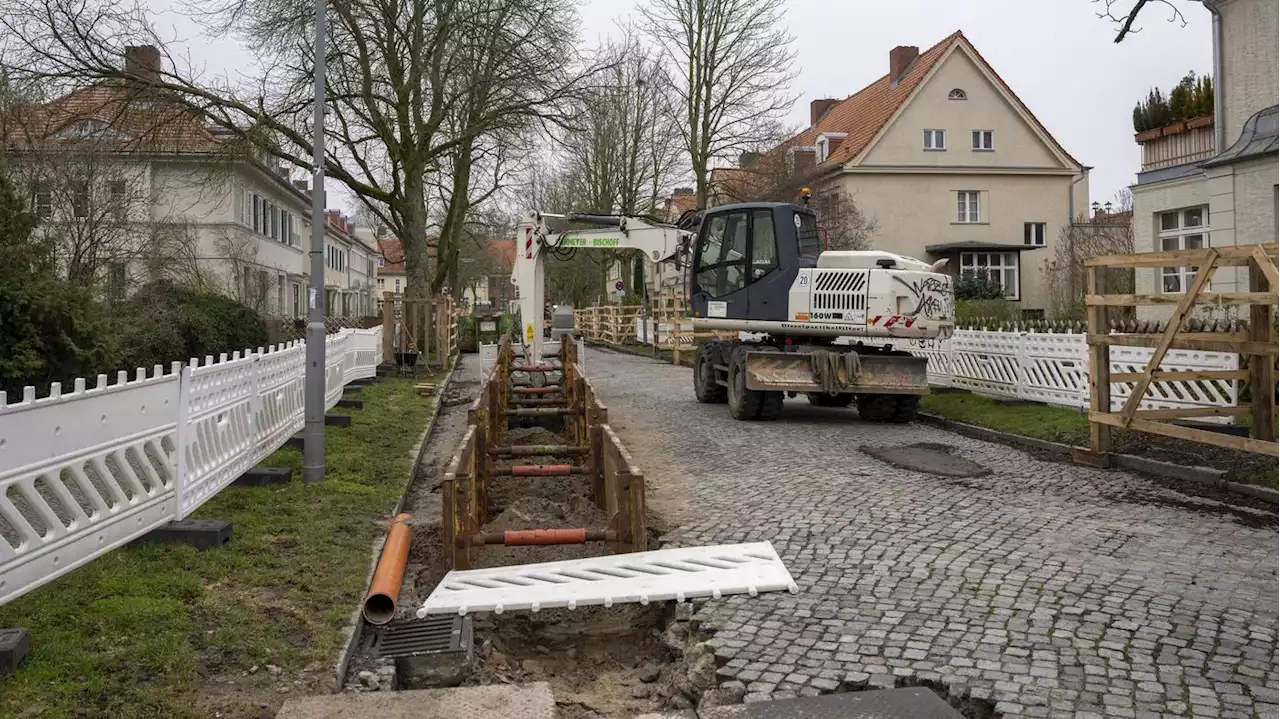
x: 1041, y: 589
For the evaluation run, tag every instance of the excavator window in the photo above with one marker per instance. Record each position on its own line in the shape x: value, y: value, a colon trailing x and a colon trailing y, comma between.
x: 764, y: 244
x: 723, y: 255
x: 808, y: 237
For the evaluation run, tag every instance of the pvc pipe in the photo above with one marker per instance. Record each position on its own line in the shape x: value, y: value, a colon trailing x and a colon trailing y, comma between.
x: 380, y: 603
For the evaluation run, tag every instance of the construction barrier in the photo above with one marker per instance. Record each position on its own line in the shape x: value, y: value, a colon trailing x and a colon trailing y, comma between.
x: 617, y: 486
x: 90, y: 470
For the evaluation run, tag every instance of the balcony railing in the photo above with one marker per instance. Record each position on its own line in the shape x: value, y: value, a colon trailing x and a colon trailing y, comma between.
x: 1177, y: 144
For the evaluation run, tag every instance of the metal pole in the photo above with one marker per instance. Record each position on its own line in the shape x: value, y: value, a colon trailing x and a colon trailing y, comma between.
x: 313, y: 435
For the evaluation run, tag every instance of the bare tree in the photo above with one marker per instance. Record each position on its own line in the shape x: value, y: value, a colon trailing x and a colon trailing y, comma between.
x: 1126, y: 20
x: 1086, y: 237
x: 732, y: 64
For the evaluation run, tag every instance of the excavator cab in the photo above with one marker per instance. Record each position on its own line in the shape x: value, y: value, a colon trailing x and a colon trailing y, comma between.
x: 746, y: 257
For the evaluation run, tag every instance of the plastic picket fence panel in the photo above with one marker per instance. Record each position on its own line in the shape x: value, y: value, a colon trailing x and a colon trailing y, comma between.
x: 1054, y: 368
x: 1163, y: 394
x: 986, y: 362
x: 281, y: 376
x: 218, y: 427
x: 84, y: 473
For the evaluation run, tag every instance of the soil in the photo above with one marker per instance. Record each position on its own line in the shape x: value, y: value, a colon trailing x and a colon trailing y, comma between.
x: 1240, y: 466
x: 600, y: 662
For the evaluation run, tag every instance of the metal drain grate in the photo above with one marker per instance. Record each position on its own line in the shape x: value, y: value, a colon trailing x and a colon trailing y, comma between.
x: 437, y: 634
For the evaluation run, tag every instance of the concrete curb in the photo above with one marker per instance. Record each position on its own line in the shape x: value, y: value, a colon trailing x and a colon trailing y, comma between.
x: 355, y: 625
x: 1143, y: 465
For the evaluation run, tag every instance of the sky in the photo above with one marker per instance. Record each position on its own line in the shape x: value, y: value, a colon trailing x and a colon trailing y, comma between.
x: 1058, y: 56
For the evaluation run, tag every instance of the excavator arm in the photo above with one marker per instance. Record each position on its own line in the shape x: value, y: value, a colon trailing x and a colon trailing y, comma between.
x: 658, y: 242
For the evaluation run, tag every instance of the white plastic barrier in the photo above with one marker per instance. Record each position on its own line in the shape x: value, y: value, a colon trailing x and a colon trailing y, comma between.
x: 1053, y: 367
x: 86, y: 472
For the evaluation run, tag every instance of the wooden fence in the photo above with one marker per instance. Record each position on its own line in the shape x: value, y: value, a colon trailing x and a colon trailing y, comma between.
x: 428, y: 326
x: 617, y: 486
x: 1257, y: 345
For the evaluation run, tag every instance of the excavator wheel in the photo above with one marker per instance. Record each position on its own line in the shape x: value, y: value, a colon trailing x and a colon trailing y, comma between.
x: 822, y: 399
x: 705, y: 387
x: 897, y: 408
x: 745, y: 403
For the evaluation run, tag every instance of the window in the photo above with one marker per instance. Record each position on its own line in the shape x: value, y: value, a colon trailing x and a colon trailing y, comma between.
x: 43, y: 200
x: 967, y: 207
x: 297, y: 299
x: 721, y: 265
x: 983, y: 140
x: 257, y: 214
x: 957, y: 94
x: 1186, y: 229
x: 822, y: 149
x: 935, y: 139
x: 116, y: 278
x: 381, y: 261
x: 80, y: 197
x: 764, y: 244
x: 1033, y: 234
x: 999, y: 267
x: 246, y: 208
x: 118, y: 192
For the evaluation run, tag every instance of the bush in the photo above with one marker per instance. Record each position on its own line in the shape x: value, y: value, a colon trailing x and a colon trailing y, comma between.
x: 51, y: 330
x: 980, y: 314
x: 978, y: 287
x: 164, y: 323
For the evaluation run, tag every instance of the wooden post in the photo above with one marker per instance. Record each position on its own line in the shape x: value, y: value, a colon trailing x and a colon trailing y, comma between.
x: 1099, y: 369
x: 388, y: 326
x: 1262, y: 377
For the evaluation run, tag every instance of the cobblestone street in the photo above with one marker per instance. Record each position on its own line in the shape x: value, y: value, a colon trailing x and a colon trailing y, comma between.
x: 1041, y: 589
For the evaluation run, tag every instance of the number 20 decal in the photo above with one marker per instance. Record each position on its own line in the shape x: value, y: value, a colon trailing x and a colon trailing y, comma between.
x: 804, y: 279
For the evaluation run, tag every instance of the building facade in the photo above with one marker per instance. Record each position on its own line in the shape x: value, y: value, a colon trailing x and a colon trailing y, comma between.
x: 943, y: 160
x: 134, y: 187
x: 1212, y: 181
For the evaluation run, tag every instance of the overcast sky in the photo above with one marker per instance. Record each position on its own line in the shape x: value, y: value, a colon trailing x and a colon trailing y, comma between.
x: 1057, y: 55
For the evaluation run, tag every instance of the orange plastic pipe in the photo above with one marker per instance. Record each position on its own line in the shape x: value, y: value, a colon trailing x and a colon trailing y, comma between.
x: 525, y: 537
x: 380, y: 603
x: 541, y: 470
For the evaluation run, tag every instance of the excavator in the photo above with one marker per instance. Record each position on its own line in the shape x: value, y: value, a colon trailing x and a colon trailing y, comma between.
x: 786, y: 316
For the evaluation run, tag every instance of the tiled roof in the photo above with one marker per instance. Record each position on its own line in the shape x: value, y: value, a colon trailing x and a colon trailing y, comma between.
x: 137, y: 118
x: 503, y: 253
x: 392, y: 256
x: 863, y: 114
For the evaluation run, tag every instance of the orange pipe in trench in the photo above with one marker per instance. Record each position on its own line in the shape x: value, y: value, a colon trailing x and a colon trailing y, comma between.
x: 380, y: 603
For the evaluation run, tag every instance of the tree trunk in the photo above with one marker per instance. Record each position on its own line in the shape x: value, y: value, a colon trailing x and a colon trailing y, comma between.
x: 413, y: 238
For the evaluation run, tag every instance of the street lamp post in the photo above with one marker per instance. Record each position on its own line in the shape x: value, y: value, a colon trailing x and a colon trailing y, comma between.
x: 313, y: 434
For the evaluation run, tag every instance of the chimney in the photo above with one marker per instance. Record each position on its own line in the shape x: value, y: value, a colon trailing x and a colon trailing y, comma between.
x: 747, y: 159
x: 818, y: 108
x: 900, y: 59
x: 143, y: 61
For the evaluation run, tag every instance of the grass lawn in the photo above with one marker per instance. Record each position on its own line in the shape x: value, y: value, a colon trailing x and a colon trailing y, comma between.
x: 1042, y: 421
x: 166, y: 631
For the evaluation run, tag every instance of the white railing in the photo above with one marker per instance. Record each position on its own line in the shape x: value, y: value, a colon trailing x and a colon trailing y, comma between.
x: 85, y: 472
x: 1053, y: 368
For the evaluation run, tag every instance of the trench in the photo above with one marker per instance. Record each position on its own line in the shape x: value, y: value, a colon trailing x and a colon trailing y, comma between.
x: 616, y: 661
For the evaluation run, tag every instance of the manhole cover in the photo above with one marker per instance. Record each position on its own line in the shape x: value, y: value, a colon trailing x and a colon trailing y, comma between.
x: 930, y: 459
x: 437, y: 634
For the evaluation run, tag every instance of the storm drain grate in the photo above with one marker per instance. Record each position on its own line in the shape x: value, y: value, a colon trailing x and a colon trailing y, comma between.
x: 437, y: 634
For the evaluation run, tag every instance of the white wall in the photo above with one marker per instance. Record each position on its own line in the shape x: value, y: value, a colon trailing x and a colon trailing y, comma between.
x: 1249, y: 60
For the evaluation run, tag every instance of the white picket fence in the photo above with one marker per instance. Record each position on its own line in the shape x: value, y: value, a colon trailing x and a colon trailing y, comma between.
x: 1053, y: 368
x: 85, y: 472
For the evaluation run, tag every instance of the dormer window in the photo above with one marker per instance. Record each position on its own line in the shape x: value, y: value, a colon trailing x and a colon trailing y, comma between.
x: 90, y: 130
x: 957, y: 94
x: 827, y: 143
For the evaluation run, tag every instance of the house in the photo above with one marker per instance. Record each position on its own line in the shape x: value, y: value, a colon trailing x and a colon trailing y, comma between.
x: 942, y: 160
x: 1211, y: 180
x: 135, y: 186
x: 390, y: 267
